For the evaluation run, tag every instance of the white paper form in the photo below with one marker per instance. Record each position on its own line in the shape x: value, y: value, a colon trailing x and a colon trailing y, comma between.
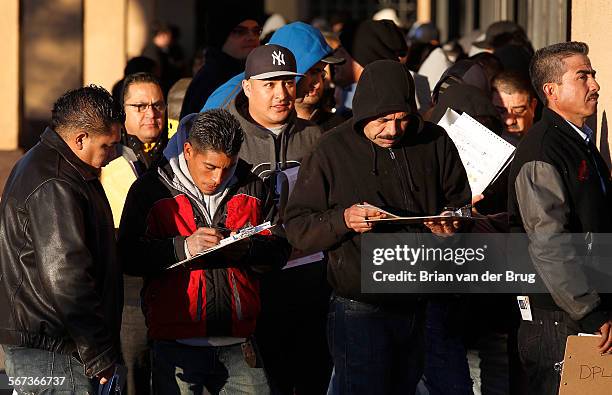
x: 483, y: 153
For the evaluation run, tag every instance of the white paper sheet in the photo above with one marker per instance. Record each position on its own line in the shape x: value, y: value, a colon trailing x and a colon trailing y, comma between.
x: 483, y: 153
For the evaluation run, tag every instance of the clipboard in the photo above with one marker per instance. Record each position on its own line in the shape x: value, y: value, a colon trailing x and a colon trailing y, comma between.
x: 420, y: 220
x: 585, y: 370
x: 242, y: 234
x: 462, y: 214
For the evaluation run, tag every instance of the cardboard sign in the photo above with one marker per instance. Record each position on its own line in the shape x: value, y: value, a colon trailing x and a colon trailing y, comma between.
x: 585, y: 370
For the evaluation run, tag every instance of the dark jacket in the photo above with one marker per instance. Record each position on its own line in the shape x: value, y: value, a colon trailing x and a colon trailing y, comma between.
x: 61, y: 288
x: 218, y: 68
x: 419, y: 176
x: 185, y: 302
x: 554, y: 190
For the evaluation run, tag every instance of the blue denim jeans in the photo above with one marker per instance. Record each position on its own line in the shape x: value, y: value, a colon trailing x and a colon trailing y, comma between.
x: 182, y: 369
x: 446, y: 367
x: 56, y: 373
x: 375, y: 351
x: 541, y: 345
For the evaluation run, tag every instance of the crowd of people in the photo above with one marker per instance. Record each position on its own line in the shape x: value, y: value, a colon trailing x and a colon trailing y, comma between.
x: 299, y: 132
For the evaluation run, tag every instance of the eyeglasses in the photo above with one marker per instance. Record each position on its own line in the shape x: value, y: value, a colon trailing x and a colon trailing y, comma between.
x: 159, y: 106
x: 244, y: 31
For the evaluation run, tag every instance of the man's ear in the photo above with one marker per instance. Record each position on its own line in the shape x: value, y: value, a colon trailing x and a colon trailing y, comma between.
x: 246, y: 87
x: 79, y: 139
x: 550, y: 90
x: 533, y: 104
x: 187, y: 150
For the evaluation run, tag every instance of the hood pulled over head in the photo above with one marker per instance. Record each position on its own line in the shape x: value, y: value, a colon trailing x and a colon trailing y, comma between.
x: 371, y: 40
x: 385, y: 87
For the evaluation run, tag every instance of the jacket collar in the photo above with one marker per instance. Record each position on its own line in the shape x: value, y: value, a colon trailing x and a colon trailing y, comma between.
x: 51, y: 139
x: 241, y: 174
x: 561, y: 124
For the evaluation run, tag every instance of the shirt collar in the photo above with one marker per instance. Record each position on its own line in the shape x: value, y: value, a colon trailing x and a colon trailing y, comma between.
x: 585, y: 132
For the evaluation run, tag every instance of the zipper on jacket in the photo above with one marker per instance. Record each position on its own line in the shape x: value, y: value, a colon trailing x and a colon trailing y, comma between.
x: 401, y: 175
x: 200, y: 302
x: 236, y: 296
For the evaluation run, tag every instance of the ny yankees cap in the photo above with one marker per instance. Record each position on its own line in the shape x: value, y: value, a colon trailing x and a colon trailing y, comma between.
x: 270, y: 61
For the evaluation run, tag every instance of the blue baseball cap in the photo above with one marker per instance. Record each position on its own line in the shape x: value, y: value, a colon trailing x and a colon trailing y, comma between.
x: 307, y: 44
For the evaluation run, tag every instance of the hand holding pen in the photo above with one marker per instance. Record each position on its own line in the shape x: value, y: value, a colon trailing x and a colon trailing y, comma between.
x: 203, y: 239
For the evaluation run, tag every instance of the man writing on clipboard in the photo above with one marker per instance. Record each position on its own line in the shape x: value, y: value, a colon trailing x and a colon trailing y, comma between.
x: 200, y: 316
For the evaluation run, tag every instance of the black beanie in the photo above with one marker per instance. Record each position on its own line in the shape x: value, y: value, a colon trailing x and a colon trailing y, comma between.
x: 221, y: 22
x: 374, y: 40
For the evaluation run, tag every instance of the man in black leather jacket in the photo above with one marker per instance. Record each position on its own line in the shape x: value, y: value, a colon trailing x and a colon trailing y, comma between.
x: 61, y: 291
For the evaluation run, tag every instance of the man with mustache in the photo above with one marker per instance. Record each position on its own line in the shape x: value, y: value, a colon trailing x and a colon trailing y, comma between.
x: 514, y: 99
x: 559, y: 184
x: 386, y: 155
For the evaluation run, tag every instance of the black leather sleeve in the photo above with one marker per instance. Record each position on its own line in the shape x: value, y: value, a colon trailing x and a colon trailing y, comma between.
x: 67, y: 271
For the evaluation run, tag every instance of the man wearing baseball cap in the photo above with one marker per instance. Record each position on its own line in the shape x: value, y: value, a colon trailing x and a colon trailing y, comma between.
x: 275, y: 138
x: 312, y: 54
x: 275, y: 141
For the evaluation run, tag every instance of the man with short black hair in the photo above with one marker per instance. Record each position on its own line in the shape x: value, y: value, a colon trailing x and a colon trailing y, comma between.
x: 201, y: 315
x: 515, y: 100
x: 61, y: 293
x: 559, y: 184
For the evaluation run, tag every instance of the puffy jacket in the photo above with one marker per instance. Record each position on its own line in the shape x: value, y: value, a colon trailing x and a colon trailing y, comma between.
x: 61, y: 287
x: 186, y: 302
